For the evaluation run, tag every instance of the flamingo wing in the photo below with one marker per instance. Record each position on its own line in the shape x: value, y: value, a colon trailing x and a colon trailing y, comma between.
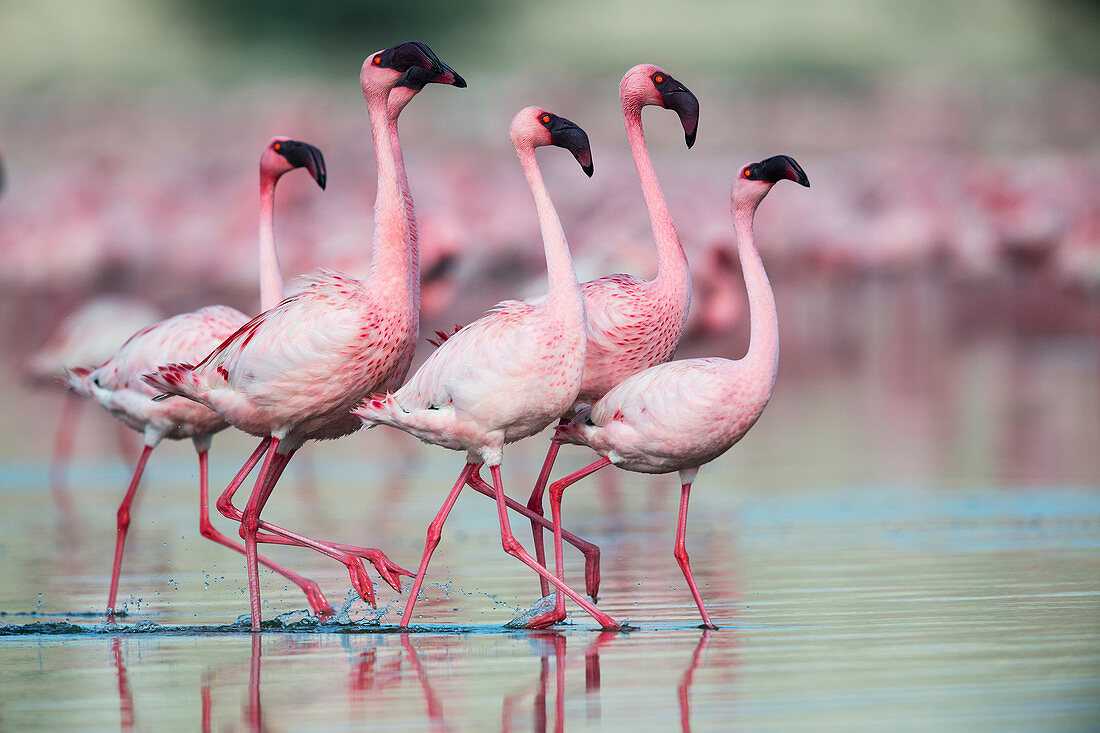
x: 615, y: 304
x: 296, y: 340
x: 666, y: 394
x: 468, y: 368
x: 184, y: 337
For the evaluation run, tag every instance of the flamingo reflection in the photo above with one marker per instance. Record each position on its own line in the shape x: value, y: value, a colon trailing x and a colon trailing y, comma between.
x: 435, y: 708
x: 554, y: 642
x: 683, y: 690
x: 125, y: 695
x: 379, y: 665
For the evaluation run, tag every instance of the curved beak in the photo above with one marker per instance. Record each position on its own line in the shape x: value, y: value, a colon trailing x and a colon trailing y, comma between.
x: 779, y: 167
x: 447, y: 75
x: 680, y: 100
x: 417, y: 77
x: 568, y: 135
x: 304, y: 155
x: 416, y: 55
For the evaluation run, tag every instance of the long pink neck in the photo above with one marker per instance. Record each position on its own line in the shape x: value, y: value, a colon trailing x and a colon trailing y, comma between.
x: 392, y: 266
x: 763, y: 319
x: 403, y: 180
x: 271, y: 278
x: 562, y: 280
x: 672, y: 265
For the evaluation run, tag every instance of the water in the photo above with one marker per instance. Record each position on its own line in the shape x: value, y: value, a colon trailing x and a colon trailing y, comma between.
x: 908, y: 540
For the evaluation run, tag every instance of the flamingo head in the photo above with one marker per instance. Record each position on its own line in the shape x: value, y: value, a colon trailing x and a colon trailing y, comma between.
x: 774, y: 169
x: 283, y: 154
x: 538, y: 127
x: 756, y: 179
x: 389, y: 65
x: 647, y: 84
x: 416, y: 78
x: 578, y: 430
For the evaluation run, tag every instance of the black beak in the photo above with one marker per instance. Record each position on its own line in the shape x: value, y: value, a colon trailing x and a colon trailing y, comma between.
x: 568, y: 135
x: 417, y: 77
x: 304, y: 155
x: 778, y: 167
x: 680, y: 100
x: 413, y: 55
x: 447, y: 75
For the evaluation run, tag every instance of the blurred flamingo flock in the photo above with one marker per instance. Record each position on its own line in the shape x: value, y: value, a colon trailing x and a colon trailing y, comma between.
x: 162, y: 205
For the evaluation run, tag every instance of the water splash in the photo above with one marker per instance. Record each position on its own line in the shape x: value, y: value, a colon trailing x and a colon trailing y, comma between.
x: 356, y: 611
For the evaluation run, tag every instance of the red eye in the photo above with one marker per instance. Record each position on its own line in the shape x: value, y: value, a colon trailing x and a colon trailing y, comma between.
x: 746, y: 172
x: 377, y: 60
x: 278, y: 146
x: 659, y: 79
x: 546, y: 119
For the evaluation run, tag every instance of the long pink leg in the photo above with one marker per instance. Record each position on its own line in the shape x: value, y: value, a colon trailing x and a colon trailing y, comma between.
x: 249, y: 525
x: 591, y: 551
x: 358, y: 573
x: 349, y: 555
x: 123, y: 525
x: 360, y: 581
x: 556, y: 490
x: 388, y: 570
x: 317, y: 601
x: 225, y: 501
x: 515, y: 549
x: 682, y: 555
x: 435, y: 531
x: 535, y: 505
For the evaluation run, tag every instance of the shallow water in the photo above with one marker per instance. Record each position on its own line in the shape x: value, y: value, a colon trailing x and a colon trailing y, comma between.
x: 909, y: 539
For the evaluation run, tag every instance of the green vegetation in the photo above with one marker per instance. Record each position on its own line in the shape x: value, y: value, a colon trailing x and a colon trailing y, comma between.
x: 229, y: 41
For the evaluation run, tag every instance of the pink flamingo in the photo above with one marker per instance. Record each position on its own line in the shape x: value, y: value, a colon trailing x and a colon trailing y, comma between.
x: 294, y: 372
x: 633, y: 323
x: 680, y: 415
x: 509, y: 374
x: 87, y: 337
x: 281, y: 155
x: 116, y: 384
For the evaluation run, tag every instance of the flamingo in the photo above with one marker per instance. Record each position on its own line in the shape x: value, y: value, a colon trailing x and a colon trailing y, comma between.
x: 281, y: 155
x: 633, y: 323
x: 680, y: 415
x: 294, y: 372
x: 86, y: 337
x: 116, y: 384
x: 509, y: 374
